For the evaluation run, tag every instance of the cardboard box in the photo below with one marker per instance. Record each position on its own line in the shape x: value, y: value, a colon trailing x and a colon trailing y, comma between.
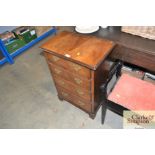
x: 40, y: 30
x: 7, y: 36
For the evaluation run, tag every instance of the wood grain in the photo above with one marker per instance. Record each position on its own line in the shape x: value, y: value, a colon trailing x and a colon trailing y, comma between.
x: 69, y: 66
x: 85, y: 50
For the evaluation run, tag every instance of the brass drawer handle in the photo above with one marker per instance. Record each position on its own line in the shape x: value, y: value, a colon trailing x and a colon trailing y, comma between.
x: 76, y: 67
x: 81, y: 103
x: 78, y: 81
x: 55, y: 59
x: 64, y: 94
x: 57, y: 71
x: 80, y: 92
x: 62, y: 82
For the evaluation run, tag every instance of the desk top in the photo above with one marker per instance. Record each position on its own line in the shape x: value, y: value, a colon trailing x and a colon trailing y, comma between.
x: 130, y: 41
x: 87, y: 50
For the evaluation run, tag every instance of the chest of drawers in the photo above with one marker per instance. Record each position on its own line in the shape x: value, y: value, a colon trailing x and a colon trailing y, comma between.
x: 78, y: 67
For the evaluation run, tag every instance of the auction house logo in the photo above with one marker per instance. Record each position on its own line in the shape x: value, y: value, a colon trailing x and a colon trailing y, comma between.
x: 139, y: 119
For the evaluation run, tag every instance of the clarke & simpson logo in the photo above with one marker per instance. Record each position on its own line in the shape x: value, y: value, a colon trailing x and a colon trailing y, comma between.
x: 139, y: 119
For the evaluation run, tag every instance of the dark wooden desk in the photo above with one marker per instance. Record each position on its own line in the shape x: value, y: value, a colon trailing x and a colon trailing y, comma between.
x: 132, y: 49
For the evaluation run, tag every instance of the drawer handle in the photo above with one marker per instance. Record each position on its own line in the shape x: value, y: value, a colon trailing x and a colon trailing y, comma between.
x: 62, y: 82
x: 81, y: 103
x: 78, y: 81
x: 76, y: 67
x: 64, y: 94
x: 55, y: 59
x: 80, y: 92
x: 57, y: 71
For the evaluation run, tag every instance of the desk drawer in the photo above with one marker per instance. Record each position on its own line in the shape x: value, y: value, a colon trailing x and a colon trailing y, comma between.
x: 70, y: 66
x: 78, y: 91
x: 139, y: 58
x: 75, y: 79
x: 79, y: 102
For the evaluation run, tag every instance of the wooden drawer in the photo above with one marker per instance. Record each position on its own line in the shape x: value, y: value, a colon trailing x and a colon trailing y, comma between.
x: 70, y: 66
x: 68, y: 96
x: 75, y: 79
x: 78, y: 91
x: 141, y: 59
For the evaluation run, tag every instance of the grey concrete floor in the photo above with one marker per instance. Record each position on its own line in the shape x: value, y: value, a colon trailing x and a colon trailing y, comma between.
x: 28, y: 98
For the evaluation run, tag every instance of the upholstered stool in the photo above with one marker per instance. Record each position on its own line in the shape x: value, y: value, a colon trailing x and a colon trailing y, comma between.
x: 129, y: 93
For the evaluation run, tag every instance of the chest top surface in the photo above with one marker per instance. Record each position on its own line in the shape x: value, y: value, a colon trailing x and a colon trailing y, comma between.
x: 86, y: 50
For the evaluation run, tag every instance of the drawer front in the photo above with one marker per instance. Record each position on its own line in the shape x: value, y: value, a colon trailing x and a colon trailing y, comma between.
x: 135, y: 57
x: 58, y: 71
x: 74, y: 89
x: 70, y: 66
x: 68, y: 96
x: 76, y: 80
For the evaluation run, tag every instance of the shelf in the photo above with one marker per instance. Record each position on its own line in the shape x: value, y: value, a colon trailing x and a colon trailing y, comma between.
x: 9, y: 57
x: 3, y: 61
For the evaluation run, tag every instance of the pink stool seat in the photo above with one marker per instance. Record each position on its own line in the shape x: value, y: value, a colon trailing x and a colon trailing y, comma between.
x: 133, y: 93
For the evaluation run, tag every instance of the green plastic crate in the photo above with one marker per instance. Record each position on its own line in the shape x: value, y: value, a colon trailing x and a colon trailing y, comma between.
x: 14, y: 45
x: 29, y: 36
x: 27, y: 33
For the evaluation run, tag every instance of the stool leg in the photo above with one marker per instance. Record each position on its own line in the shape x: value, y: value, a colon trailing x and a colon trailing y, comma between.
x: 104, y: 109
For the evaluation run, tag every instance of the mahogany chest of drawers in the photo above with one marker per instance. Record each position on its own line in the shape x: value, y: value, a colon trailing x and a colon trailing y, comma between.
x: 78, y: 67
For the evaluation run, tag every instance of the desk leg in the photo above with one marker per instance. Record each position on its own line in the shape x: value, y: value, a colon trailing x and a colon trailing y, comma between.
x: 103, y: 113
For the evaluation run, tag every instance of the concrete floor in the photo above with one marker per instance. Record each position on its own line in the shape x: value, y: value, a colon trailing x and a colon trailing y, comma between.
x: 28, y: 98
